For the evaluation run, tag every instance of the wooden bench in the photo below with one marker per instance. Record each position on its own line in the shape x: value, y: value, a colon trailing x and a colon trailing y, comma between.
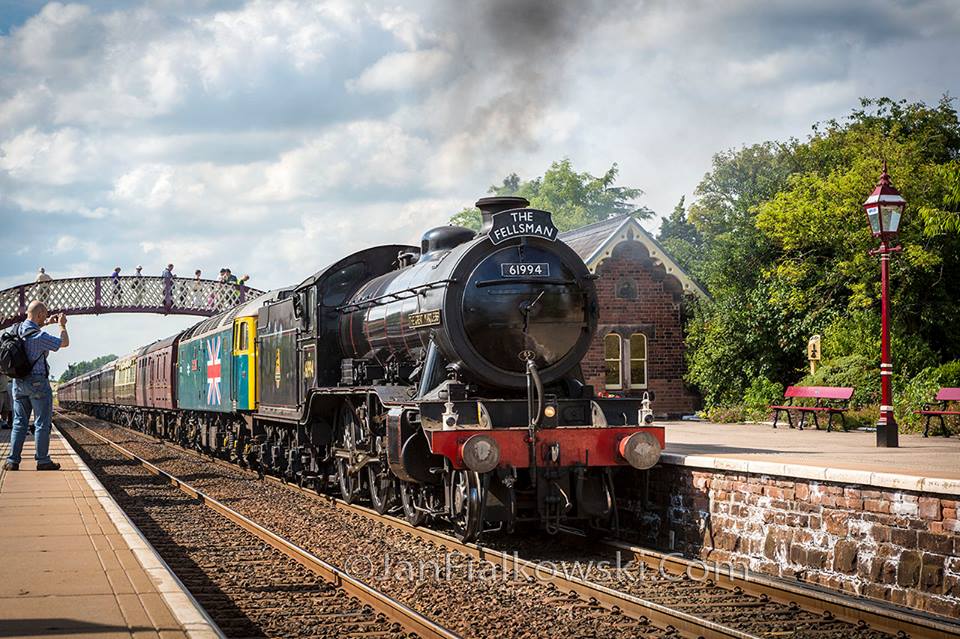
x: 944, y: 397
x: 832, y: 400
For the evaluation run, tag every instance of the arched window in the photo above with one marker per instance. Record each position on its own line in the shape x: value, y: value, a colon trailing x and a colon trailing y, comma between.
x: 612, y: 359
x: 638, y: 360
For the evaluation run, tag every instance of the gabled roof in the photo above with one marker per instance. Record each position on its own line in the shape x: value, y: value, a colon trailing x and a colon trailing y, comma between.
x: 595, y: 243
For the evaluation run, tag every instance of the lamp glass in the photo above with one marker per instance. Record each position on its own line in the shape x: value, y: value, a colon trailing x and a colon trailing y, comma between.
x: 874, y: 217
x: 891, y: 217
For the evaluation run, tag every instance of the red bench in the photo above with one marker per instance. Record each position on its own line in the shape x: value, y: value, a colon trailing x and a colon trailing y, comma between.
x: 832, y: 400
x: 944, y: 397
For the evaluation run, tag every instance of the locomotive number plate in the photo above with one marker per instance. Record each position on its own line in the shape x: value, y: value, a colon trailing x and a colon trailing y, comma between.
x: 427, y: 318
x: 520, y: 269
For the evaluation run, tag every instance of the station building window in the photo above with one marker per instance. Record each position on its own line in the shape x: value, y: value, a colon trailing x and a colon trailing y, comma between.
x: 625, y: 361
x: 638, y: 360
x: 613, y: 360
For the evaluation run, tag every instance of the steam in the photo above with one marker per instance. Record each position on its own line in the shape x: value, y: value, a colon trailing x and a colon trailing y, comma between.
x: 513, y: 62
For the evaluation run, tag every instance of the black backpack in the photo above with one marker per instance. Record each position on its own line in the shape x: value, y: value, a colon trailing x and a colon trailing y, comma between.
x: 14, y: 362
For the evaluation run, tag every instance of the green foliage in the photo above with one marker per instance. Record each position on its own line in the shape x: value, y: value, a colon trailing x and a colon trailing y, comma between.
x: 575, y: 199
x: 859, y: 371
x: 79, y: 368
x: 920, y: 390
x: 467, y: 218
x: 734, y: 414
x: 680, y: 237
x: 784, y: 253
x: 762, y: 393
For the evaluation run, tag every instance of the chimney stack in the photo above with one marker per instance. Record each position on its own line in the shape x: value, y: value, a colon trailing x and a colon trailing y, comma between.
x: 490, y: 205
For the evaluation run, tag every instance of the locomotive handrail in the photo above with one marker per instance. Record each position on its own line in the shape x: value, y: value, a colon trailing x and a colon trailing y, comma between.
x: 396, y: 295
x: 523, y: 280
x: 99, y: 295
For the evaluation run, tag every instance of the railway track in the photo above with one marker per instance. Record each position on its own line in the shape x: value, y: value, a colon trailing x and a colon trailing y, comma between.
x: 250, y: 580
x: 669, y: 596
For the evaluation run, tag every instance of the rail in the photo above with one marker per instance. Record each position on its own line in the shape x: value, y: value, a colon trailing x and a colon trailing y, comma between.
x: 124, y: 294
x: 391, y: 608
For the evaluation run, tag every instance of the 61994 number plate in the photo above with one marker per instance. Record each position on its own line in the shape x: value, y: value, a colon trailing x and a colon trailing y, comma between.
x: 519, y: 269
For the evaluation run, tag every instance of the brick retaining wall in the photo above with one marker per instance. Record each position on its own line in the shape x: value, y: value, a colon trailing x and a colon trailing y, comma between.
x: 891, y: 545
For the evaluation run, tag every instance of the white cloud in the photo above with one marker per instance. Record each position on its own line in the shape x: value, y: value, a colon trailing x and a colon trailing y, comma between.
x: 70, y: 244
x: 402, y: 71
x: 184, y: 253
x: 406, y: 26
x: 60, y: 157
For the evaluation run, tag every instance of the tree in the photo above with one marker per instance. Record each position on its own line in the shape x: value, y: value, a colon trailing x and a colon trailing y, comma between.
x: 575, y: 199
x: 785, y: 247
x: 79, y: 368
x: 680, y: 237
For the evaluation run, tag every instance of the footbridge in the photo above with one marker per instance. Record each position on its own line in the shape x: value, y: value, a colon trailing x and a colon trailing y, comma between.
x: 127, y: 294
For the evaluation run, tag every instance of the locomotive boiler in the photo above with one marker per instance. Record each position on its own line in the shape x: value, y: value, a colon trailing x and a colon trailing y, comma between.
x: 442, y: 380
x: 488, y: 306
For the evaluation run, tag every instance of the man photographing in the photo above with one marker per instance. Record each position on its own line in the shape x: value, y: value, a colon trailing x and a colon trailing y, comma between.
x: 33, y: 393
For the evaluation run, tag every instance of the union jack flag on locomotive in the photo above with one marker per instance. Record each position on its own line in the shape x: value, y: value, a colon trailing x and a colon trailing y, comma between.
x: 213, y: 370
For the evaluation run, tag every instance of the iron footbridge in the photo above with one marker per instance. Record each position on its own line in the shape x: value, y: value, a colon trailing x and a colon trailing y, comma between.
x: 126, y: 294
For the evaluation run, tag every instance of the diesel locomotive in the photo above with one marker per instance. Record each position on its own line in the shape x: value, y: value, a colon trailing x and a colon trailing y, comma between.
x: 443, y: 380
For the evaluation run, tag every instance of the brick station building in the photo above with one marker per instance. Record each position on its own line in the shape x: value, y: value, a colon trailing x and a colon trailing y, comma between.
x: 639, y: 345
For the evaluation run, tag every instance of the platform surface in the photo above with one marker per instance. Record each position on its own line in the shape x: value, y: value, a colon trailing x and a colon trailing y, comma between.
x: 936, y: 459
x: 67, y: 571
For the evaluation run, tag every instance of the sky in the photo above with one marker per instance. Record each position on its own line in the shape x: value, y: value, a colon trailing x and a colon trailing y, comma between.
x: 275, y: 137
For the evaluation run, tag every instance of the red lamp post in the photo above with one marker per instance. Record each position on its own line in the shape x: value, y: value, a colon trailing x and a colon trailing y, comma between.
x: 884, y: 209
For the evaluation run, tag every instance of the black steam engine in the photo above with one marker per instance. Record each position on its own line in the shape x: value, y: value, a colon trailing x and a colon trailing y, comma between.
x: 445, y: 378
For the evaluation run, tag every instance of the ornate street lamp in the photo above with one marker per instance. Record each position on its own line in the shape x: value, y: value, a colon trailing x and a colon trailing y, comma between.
x: 884, y: 210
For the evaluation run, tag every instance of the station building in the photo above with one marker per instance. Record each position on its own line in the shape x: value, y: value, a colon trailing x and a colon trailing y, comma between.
x: 639, y: 346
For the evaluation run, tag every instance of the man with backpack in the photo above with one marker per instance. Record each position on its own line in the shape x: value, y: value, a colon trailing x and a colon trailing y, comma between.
x: 23, y: 355
x: 6, y: 403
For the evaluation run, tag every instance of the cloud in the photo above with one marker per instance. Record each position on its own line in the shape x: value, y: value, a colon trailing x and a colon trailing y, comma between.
x: 60, y: 157
x: 401, y: 71
x: 70, y: 244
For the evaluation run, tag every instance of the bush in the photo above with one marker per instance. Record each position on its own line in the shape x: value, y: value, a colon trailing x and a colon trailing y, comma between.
x: 762, y: 393
x: 855, y: 370
x: 860, y: 417
x: 736, y: 414
x: 920, y: 390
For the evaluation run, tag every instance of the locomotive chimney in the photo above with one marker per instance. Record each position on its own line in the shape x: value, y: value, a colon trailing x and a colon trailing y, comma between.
x: 490, y: 205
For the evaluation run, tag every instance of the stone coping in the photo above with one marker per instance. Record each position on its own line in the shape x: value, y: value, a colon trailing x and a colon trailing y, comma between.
x: 196, y: 623
x: 894, y: 481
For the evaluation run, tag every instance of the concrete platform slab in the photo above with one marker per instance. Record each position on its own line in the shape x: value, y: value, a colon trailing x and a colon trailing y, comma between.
x: 80, y: 568
x: 919, y: 464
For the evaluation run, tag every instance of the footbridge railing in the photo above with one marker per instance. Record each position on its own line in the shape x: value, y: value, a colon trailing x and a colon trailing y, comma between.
x: 127, y: 294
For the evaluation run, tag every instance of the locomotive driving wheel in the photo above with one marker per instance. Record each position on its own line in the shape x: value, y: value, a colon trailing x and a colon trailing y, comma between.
x: 414, y: 499
x: 345, y: 441
x: 466, y: 504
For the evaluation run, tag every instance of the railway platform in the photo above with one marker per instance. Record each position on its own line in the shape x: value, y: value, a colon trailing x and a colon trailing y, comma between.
x: 919, y: 464
x: 74, y: 566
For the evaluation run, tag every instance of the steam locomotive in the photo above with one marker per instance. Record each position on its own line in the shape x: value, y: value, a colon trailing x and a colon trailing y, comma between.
x: 442, y: 379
